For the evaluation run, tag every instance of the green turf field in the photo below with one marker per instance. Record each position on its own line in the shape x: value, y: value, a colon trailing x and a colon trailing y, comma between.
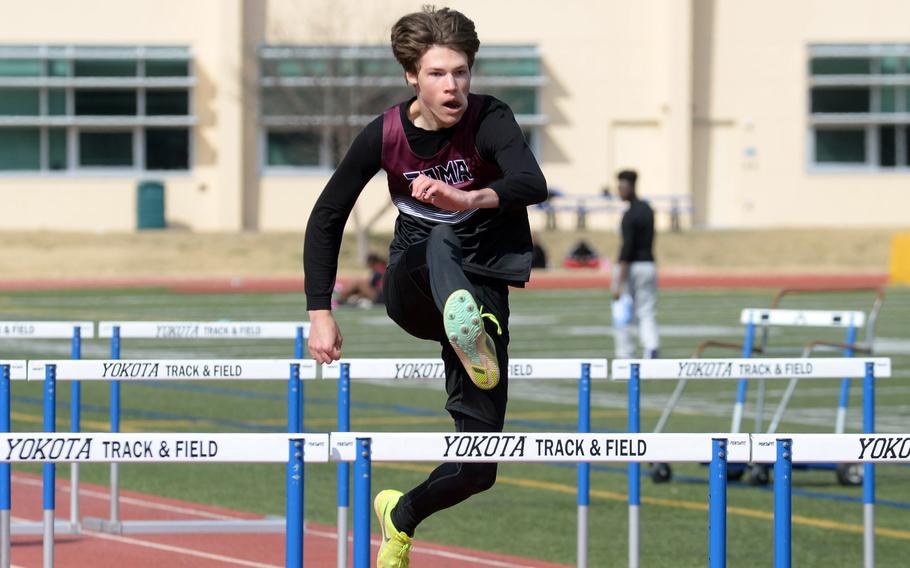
x: 531, y: 511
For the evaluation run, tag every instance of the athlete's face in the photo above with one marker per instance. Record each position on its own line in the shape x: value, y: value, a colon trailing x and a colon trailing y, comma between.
x: 442, y: 82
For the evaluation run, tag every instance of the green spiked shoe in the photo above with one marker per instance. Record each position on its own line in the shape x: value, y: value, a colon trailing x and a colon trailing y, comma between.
x: 396, y: 545
x: 463, y: 322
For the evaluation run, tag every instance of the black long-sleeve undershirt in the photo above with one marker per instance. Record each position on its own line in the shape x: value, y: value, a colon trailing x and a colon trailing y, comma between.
x: 499, y: 140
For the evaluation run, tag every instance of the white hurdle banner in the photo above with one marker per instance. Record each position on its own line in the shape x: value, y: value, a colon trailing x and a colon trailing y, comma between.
x: 202, y: 329
x: 583, y: 370
x: 802, y: 318
x: 536, y: 447
x: 840, y: 448
x: 105, y: 447
x: 45, y: 329
x: 519, y: 368
x: 291, y: 449
x: 171, y: 369
x: 781, y: 368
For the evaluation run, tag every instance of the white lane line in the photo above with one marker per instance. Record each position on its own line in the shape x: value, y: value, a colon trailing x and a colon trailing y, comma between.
x: 176, y: 549
x: 431, y: 552
x: 132, y: 501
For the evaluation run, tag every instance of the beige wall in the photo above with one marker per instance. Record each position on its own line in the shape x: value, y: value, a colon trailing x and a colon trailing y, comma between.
x: 703, y: 97
x: 209, y: 197
x: 751, y: 92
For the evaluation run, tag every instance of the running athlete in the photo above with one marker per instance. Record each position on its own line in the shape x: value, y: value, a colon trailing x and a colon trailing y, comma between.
x: 461, y: 175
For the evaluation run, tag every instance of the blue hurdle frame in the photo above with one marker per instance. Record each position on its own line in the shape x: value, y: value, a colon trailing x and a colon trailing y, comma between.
x: 75, y: 399
x: 344, y: 425
x: 782, y: 477
x: 294, y: 482
x: 717, y: 507
x: 115, y: 413
x: 749, y: 342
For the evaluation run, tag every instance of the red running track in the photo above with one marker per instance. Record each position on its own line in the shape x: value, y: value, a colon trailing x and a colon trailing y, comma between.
x: 196, y: 551
x: 539, y: 281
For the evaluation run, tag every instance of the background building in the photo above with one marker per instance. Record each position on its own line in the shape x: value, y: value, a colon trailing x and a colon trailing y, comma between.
x: 766, y: 114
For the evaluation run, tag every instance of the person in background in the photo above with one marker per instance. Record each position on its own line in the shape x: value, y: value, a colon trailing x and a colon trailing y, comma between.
x: 368, y: 291
x: 634, y: 283
x: 538, y: 254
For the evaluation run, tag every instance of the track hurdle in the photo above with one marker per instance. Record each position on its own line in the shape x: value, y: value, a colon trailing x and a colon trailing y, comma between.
x: 783, y: 450
x: 850, y: 321
x: 292, y: 370
x: 637, y: 370
x: 9, y: 370
x: 519, y: 369
x: 755, y: 320
x: 365, y: 448
x: 291, y: 449
x: 183, y: 331
x: 75, y: 331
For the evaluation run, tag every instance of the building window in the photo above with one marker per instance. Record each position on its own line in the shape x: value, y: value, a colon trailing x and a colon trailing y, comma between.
x: 859, y: 106
x: 21, y: 149
x: 69, y: 108
x: 315, y: 99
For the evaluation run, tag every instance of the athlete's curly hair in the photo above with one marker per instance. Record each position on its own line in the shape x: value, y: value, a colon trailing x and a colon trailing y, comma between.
x: 415, y: 33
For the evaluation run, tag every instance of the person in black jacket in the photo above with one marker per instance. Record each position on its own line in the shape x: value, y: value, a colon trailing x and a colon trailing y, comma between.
x: 461, y: 175
x: 635, y: 274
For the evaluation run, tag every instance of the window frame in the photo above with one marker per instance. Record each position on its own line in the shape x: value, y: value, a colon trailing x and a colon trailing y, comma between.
x: 870, y: 121
x: 73, y: 124
x: 269, y: 123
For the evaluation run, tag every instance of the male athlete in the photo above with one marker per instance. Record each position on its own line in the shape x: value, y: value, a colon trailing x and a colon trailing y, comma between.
x: 461, y: 175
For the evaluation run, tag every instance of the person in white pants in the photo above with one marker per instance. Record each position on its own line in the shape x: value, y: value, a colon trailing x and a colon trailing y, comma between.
x: 634, y: 284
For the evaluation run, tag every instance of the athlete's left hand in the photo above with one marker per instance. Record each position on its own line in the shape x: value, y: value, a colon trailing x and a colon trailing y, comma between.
x: 440, y: 194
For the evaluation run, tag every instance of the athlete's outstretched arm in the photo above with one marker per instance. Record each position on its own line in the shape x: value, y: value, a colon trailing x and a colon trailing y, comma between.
x: 324, y: 233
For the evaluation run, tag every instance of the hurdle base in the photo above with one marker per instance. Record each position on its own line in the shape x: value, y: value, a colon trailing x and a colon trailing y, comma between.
x: 37, y: 528
x: 267, y: 525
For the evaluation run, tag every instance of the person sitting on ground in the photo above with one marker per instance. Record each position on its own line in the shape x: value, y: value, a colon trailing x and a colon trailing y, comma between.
x: 368, y: 291
x: 538, y: 254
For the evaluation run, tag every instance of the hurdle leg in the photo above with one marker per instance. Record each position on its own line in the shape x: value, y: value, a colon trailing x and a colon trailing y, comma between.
x: 671, y: 404
x: 841, y: 421
x: 783, y: 474
x: 584, y: 468
x: 5, y: 540
x: 294, y: 506
x: 362, y: 509
x: 75, y: 418
x: 634, y: 469
x: 50, y: 420
x: 782, y: 406
x: 759, y: 405
x: 75, y: 403
x: 115, y: 427
x: 717, y: 505
x: 344, y: 468
x: 738, y: 407
x: 869, y: 470
x: 4, y: 471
